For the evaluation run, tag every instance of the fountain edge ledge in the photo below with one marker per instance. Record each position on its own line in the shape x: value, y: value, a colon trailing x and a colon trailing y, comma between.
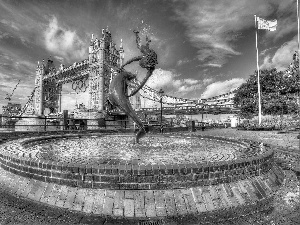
x: 135, y: 176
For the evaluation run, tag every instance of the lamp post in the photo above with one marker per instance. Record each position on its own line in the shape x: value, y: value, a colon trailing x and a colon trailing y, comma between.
x: 161, y: 92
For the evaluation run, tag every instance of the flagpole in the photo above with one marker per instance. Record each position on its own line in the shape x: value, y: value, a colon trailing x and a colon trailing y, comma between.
x: 298, y: 50
x: 298, y: 27
x: 258, y: 83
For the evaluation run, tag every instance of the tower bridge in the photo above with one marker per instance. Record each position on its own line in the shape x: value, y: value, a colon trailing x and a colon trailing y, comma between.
x: 94, y: 75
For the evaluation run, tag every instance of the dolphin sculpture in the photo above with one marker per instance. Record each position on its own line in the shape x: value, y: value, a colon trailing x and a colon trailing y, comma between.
x: 117, y: 95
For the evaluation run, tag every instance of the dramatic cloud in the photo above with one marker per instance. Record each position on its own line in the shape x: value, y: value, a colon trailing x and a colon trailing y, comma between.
x: 171, y: 83
x: 214, y: 31
x: 64, y: 42
x: 222, y: 87
x: 207, y: 81
x: 282, y: 57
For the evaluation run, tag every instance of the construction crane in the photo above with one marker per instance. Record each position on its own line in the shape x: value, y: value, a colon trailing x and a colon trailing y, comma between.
x: 8, y: 97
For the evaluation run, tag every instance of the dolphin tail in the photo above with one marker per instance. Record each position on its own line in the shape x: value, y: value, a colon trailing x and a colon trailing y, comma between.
x: 127, y: 108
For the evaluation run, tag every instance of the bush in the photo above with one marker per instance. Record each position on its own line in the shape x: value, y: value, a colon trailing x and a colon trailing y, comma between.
x: 270, y: 123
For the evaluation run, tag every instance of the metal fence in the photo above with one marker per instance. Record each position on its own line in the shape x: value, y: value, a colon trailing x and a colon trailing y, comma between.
x: 48, y: 123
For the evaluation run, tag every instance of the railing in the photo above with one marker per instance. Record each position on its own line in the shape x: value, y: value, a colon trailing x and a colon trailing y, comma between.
x: 46, y: 123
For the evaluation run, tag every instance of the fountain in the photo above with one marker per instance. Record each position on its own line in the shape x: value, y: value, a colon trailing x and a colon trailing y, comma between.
x: 163, y: 179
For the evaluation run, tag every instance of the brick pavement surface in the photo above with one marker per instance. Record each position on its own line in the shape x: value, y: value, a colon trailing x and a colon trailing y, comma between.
x: 85, y: 204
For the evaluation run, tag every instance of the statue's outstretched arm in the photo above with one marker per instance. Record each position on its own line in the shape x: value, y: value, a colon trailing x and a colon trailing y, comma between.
x: 149, y: 73
x: 138, y: 58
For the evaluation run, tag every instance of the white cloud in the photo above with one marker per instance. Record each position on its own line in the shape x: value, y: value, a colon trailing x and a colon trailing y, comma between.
x: 64, y: 42
x: 59, y: 59
x: 282, y: 57
x: 169, y: 82
x: 222, y: 87
x: 213, y: 65
x: 207, y: 81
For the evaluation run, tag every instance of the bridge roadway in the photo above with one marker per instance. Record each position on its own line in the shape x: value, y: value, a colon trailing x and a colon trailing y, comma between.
x: 191, y: 110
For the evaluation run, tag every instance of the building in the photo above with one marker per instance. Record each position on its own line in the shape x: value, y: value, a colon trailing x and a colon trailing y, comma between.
x: 10, y: 110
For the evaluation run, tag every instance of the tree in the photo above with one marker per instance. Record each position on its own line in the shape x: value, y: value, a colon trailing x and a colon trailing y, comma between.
x: 275, y: 94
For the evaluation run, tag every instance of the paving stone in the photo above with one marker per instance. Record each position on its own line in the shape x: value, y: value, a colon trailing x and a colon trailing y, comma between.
x: 3, y: 179
x: 255, y: 189
x: 118, y: 208
x: 108, y: 205
x: 223, y: 196
x: 243, y: 191
x: 128, y: 207
x: 37, y: 192
x: 13, y: 188
x: 230, y: 195
x: 28, y: 188
x: 139, y: 204
x: 262, y: 189
x: 150, y: 204
x: 47, y: 192
x: 129, y: 194
x: 12, y: 184
x: 266, y: 183
x: 250, y: 191
x: 237, y: 194
x: 160, y: 204
x: 7, y: 180
x: 89, y: 201
x: 118, y: 199
x: 79, y: 199
x: 23, y: 182
x: 62, y: 197
x: 110, y: 193
x: 209, y: 205
x: 215, y: 198
x: 189, y: 201
x: 263, y: 185
x: 70, y: 198
x: 54, y: 195
x: 98, y: 202
x: 179, y: 202
x: 199, y: 200
x: 170, y: 203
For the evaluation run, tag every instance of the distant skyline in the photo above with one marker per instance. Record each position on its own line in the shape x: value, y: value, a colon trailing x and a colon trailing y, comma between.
x: 205, y: 48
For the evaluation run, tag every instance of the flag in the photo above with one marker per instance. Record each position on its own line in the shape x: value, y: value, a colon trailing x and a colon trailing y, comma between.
x: 267, y: 24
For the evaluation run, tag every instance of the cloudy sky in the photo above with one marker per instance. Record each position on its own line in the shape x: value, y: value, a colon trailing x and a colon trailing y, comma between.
x: 204, y: 47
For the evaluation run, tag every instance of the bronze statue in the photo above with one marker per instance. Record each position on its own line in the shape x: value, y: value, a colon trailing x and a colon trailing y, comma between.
x: 117, y: 89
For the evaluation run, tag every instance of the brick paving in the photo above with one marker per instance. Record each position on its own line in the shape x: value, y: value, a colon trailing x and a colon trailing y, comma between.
x: 129, y: 204
x: 118, y: 203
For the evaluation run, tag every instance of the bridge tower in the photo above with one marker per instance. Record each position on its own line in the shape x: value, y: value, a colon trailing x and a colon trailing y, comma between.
x: 38, y: 95
x: 47, y: 92
x: 104, y: 58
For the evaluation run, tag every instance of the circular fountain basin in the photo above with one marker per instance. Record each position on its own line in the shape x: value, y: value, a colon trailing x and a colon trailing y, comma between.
x: 159, y: 162
x: 152, y: 149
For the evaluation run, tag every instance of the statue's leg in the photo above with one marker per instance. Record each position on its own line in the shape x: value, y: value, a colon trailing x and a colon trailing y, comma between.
x: 138, y: 58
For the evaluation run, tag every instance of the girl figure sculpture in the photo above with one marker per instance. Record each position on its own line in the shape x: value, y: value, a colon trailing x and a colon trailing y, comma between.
x: 117, y: 89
